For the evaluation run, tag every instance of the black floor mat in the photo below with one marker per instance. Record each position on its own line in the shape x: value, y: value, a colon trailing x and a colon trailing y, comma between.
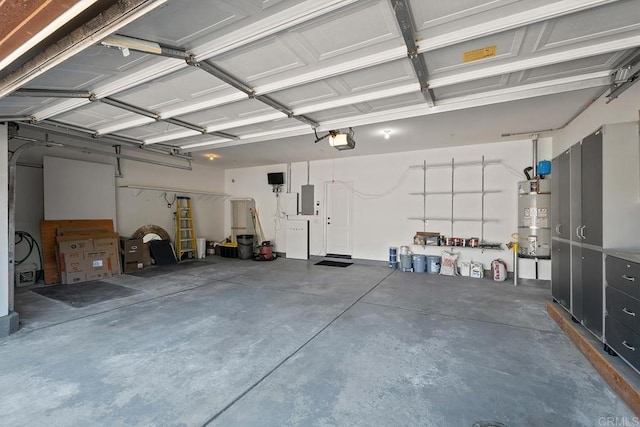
x: 340, y: 256
x: 149, y: 272
x: 85, y: 294
x: 334, y: 263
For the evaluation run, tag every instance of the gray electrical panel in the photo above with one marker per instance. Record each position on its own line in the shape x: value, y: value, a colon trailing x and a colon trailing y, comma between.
x: 307, y: 200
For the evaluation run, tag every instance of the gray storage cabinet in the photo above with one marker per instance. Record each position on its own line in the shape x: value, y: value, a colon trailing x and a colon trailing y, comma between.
x: 622, y: 322
x: 595, y: 207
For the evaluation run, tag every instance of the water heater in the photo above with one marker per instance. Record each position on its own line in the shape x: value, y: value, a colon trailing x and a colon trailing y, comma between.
x: 534, y: 232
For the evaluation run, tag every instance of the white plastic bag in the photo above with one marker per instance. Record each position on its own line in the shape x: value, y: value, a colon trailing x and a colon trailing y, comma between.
x: 448, y: 266
x: 499, y: 270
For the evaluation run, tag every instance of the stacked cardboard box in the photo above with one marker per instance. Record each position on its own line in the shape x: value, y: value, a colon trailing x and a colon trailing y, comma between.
x: 87, y: 254
x: 132, y: 254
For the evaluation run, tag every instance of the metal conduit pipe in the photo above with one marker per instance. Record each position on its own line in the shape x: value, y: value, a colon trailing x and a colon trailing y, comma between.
x: 534, y: 140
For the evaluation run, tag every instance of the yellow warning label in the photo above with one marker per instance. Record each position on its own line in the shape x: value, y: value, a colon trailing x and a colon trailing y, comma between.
x: 474, y: 55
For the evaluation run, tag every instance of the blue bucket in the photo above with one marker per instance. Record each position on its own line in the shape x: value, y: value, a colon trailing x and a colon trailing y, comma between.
x: 393, y: 257
x: 419, y: 263
x: 433, y: 264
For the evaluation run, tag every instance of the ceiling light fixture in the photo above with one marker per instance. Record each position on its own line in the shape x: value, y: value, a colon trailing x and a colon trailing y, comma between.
x: 387, y: 133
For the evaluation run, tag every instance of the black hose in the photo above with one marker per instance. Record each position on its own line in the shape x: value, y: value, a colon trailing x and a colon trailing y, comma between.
x: 526, y: 172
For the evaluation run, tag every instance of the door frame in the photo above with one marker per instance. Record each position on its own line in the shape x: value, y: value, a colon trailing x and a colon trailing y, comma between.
x: 349, y: 215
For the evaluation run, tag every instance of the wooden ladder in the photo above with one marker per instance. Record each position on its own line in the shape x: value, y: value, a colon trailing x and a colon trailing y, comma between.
x: 185, y: 234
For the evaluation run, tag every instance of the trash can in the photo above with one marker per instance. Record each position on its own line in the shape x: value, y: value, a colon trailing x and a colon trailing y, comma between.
x: 201, y: 245
x: 245, y: 246
x: 419, y: 263
x: 405, y: 262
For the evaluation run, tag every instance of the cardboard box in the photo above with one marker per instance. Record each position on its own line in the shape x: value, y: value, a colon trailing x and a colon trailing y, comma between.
x: 72, y: 262
x: 426, y: 238
x: 73, y: 277
x: 97, y: 261
x: 111, y: 246
x: 72, y: 244
x: 106, y: 244
x: 97, y: 265
x: 84, y: 232
x: 97, y: 275
x: 73, y: 254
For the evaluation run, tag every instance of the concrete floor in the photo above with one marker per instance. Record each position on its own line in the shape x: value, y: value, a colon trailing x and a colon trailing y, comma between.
x: 286, y: 342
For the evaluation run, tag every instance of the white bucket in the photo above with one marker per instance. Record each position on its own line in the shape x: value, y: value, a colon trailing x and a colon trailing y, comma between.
x: 201, y: 245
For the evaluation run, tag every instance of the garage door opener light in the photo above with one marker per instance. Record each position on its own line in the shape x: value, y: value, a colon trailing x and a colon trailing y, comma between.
x: 340, y: 140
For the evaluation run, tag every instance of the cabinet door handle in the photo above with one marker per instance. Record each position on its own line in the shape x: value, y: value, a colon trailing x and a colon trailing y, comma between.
x: 624, y: 343
x: 582, y: 231
x: 630, y: 313
x: 578, y: 232
x: 629, y: 278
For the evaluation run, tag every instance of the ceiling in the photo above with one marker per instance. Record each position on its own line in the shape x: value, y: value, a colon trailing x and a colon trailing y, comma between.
x: 249, y: 80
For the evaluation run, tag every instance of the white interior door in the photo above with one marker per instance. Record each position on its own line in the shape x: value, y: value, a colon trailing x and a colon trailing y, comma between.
x: 338, y: 220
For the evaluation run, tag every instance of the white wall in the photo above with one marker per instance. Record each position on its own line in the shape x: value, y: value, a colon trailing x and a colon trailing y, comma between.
x: 624, y: 109
x: 380, y: 222
x: 29, y: 209
x: 150, y: 207
x: 76, y: 189
x: 132, y: 212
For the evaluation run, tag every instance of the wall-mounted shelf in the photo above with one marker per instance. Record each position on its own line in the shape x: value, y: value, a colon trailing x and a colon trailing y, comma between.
x: 458, y: 164
x: 480, y: 248
x: 418, y: 218
x: 453, y: 192
x: 138, y: 189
